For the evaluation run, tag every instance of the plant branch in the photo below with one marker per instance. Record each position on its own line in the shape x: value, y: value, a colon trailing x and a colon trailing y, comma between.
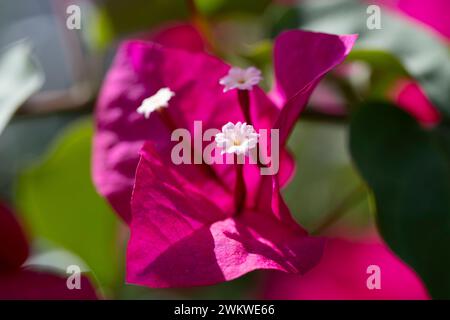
x: 313, y: 115
x: 354, y: 197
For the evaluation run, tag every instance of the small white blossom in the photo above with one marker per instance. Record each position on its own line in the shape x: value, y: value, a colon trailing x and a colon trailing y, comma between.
x: 242, y: 79
x: 159, y: 100
x: 237, y: 138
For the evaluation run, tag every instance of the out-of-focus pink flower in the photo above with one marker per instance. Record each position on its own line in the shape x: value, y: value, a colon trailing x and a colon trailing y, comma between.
x: 186, y: 229
x: 13, y: 244
x: 410, y: 97
x: 183, y: 36
x: 407, y: 94
x: 433, y: 13
x: 343, y: 273
x: 18, y: 282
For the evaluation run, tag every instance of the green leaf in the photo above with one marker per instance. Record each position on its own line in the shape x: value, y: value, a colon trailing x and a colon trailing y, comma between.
x: 116, y: 18
x: 420, y: 52
x: 408, y: 169
x: 226, y: 7
x: 60, y: 204
x: 279, y: 18
x: 386, y: 69
x: 20, y: 77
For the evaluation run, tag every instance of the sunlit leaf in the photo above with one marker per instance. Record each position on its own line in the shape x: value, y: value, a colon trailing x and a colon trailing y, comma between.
x: 20, y: 77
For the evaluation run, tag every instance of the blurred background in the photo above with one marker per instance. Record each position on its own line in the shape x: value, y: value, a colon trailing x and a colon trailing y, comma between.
x: 51, y: 69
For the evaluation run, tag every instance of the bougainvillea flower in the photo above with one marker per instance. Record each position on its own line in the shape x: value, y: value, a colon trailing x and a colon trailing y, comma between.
x: 19, y: 282
x: 141, y: 69
x: 186, y: 228
x: 343, y: 274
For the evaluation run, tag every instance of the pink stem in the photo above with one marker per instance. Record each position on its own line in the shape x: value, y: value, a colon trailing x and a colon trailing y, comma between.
x: 244, y: 102
x: 240, y: 191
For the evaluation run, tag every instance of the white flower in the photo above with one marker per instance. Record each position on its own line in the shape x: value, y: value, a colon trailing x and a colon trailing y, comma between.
x: 159, y: 100
x: 237, y: 138
x: 242, y: 79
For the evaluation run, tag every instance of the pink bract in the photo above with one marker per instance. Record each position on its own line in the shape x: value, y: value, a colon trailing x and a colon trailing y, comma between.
x: 185, y: 233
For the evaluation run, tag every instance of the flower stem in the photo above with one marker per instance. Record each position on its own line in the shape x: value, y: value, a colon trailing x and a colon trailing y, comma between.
x: 240, y: 191
x: 244, y: 102
x: 355, y: 196
x: 167, y: 119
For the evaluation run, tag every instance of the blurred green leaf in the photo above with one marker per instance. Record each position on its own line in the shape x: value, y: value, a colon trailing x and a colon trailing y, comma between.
x: 100, y: 32
x: 386, y: 69
x: 226, y: 7
x: 114, y: 19
x: 260, y: 56
x: 60, y: 204
x: 379, y: 59
x: 279, y: 18
x: 408, y: 169
x: 420, y: 52
x: 20, y: 77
